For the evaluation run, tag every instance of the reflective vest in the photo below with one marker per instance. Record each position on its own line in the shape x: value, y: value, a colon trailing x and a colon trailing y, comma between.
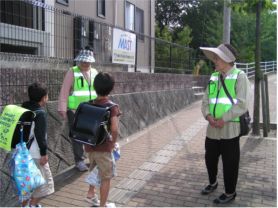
x: 82, y: 91
x: 219, y: 102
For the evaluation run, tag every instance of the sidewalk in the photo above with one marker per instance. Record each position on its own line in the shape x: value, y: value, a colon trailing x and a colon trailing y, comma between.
x: 164, y: 165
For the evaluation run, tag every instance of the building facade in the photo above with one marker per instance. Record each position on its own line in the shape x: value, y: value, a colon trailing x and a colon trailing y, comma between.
x: 58, y: 29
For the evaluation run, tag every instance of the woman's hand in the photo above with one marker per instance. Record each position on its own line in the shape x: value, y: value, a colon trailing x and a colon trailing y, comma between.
x: 219, y: 123
x: 211, y: 121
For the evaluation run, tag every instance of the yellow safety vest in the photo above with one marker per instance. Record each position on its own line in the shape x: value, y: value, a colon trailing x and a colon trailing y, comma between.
x: 82, y: 91
x: 219, y: 102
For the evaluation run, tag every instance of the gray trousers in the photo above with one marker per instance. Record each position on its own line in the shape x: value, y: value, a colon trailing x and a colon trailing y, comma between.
x: 77, y: 147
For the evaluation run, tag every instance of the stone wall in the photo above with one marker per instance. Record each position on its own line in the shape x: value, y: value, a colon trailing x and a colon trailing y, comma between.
x: 14, y: 82
x: 143, y: 100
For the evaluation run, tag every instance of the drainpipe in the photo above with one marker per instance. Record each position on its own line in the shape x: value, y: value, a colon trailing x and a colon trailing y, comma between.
x: 115, y: 12
x: 150, y: 51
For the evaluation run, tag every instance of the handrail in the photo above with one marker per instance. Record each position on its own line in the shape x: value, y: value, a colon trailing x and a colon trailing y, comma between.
x: 265, y: 66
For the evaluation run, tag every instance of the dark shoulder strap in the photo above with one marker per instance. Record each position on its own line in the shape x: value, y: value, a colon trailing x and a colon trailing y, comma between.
x: 108, y: 105
x: 225, y: 89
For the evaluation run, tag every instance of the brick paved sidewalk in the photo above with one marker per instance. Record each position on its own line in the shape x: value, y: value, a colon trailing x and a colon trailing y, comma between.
x: 163, y: 165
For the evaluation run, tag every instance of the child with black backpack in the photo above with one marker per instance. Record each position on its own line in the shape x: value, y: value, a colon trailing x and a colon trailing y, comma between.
x: 101, y: 155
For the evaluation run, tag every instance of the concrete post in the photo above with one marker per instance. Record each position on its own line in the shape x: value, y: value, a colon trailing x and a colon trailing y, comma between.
x: 267, y: 102
x: 264, y: 109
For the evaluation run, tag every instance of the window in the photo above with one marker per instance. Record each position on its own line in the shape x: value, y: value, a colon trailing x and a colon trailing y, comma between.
x: 101, y: 8
x: 139, y: 22
x: 129, y: 16
x: 22, y: 14
x: 18, y: 49
x: 64, y: 2
x: 83, y: 34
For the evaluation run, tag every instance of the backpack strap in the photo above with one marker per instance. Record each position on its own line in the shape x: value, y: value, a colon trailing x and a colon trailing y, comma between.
x: 226, y: 90
x: 108, y: 105
x: 32, y: 137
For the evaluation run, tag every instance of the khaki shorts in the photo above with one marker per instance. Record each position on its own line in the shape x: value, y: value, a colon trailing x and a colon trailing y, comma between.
x: 48, y: 187
x: 105, y: 163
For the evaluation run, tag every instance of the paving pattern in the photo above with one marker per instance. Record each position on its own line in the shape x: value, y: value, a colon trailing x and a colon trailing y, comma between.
x: 163, y: 166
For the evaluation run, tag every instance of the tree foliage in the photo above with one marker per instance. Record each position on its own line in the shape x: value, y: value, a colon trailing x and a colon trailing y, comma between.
x: 250, y: 6
x: 269, y: 36
x: 204, y: 20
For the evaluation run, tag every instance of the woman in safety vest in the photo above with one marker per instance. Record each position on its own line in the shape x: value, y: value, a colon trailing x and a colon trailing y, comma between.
x: 223, y: 130
x: 77, y: 87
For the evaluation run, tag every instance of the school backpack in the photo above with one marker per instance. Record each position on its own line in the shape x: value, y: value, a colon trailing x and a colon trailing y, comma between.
x: 91, y: 123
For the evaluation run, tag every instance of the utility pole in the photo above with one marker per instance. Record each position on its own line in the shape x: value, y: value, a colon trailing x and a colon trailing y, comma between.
x: 226, y: 21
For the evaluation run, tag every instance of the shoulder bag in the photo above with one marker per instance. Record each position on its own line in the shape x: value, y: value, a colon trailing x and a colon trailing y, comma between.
x: 244, y: 119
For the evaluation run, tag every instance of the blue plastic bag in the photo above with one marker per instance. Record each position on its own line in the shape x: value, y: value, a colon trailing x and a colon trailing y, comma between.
x: 94, y: 178
x: 116, y: 152
x: 26, y: 175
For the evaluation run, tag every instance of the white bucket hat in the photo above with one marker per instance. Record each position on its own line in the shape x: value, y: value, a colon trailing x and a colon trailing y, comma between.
x: 85, y: 56
x: 222, y: 51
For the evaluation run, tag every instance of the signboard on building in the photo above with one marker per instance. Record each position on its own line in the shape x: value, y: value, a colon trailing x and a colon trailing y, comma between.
x: 124, y: 47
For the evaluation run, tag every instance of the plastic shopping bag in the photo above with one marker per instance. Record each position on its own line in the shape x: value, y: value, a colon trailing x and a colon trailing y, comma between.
x: 116, y: 152
x: 93, y: 178
x: 26, y: 175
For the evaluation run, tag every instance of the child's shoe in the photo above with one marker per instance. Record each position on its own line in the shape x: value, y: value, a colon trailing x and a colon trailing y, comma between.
x: 94, y: 201
x: 37, y: 205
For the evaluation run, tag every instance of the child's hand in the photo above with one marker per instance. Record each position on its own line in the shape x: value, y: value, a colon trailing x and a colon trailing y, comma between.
x: 43, y: 160
x: 111, y: 145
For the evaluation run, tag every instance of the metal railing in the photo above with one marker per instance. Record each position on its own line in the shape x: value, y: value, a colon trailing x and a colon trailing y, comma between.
x: 265, y: 66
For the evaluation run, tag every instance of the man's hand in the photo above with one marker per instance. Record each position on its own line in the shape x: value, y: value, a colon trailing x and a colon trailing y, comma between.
x: 63, y: 114
x: 43, y: 160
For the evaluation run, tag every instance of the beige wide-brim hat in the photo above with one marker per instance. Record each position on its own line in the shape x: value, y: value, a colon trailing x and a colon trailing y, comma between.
x: 222, y: 51
x: 85, y: 56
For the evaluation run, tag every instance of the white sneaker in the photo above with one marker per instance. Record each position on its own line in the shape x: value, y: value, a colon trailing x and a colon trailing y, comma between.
x: 93, y: 201
x: 81, y: 166
x: 110, y: 205
x: 38, y: 205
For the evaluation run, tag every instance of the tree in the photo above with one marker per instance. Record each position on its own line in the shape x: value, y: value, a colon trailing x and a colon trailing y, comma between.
x: 242, y: 36
x: 167, y: 12
x: 256, y: 6
x: 184, y: 36
x: 269, y: 36
x: 162, y: 47
x: 205, y: 19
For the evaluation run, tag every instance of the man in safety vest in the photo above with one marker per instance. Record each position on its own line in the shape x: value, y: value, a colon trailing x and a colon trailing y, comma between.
x: 77, y: 87
x: 222, y: 112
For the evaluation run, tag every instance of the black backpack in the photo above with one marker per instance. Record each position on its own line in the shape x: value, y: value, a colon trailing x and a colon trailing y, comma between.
x: 91, y: 123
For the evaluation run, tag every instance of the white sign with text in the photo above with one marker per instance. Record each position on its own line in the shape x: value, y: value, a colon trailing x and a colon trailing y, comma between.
x: 124, y: 47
